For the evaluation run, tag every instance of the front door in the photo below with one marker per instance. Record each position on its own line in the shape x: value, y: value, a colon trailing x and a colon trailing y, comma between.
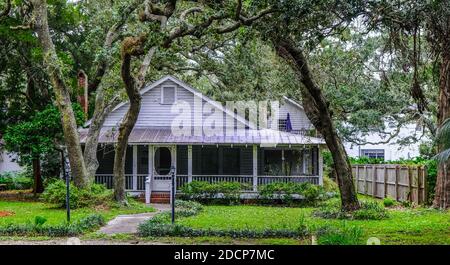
x: 163, y: 159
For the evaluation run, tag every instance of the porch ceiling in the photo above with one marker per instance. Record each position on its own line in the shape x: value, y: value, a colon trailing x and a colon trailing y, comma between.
x: 154, y: 135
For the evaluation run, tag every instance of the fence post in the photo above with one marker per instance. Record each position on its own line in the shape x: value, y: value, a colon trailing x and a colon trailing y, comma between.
x: 397, y: 176
x: 374, y: 181
x: 410, y: 192
x: 385, y: 181
x: 356, y: 178
x: 365, y: 179
x: 419, y: 180
x: 425, y: 187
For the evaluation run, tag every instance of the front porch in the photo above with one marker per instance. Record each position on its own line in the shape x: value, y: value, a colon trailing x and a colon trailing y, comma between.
x: 147, y: 167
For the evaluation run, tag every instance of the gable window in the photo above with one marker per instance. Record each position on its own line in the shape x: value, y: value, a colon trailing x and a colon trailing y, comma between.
x: 373, y: 153
x: 282, y: 125
x: 168, y: 95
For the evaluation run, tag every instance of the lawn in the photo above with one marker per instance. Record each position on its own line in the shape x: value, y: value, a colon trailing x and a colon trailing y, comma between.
x: 24, y: 212
x: 405, y: 226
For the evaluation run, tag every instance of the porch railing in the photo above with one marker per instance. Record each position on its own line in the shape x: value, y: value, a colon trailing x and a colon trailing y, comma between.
x: 250, y: 183
x: 107, y: 180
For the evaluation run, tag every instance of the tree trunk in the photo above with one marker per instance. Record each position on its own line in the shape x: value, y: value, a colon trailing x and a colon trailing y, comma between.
x: 38, y: 186
x: 317, y: 110
x: 442, y: 189
x: 131, y: 46
x: 102, y: 109
x: 62, y: 96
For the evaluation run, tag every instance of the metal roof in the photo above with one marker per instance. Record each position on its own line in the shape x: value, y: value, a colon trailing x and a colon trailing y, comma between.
x: 240, y: 136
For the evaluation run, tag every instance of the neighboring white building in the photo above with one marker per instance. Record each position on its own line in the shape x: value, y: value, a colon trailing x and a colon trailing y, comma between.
x: 387, y: 151
x: 7, y: 163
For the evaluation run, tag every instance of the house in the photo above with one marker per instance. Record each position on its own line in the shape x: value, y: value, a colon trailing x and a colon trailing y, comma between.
x: 377, y: 147
x: 180, y: 129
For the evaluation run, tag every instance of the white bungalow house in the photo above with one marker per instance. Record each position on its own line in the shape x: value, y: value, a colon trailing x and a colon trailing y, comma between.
x: 179, y: 128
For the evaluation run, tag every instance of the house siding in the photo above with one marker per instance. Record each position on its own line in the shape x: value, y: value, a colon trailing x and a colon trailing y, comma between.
x: 298, y: 117
x: 155, y: 114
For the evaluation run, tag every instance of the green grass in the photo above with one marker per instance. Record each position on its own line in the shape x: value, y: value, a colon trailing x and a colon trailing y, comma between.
x: 25, y: 212
x: 405, y: 226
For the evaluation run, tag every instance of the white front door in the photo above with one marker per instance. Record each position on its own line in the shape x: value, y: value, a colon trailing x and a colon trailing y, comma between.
x: 164, y: 158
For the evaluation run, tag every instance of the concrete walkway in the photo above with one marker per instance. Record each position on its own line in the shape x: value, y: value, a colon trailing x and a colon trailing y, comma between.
x: 128, y: 224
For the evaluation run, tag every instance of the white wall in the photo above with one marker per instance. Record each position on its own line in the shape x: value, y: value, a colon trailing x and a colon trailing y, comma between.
x: 392, y: 150
x: 6, y: 163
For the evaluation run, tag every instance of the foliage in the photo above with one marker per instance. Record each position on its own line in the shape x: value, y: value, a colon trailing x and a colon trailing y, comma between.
x: 286, y: 191
x: 339, y: 235
x: 89, y: 223
x: 95, y: 194
x: 369, y: 210
x: 228, y: 192
x: 16, y: 180
x: 330, y: 185
x: 388, y: 202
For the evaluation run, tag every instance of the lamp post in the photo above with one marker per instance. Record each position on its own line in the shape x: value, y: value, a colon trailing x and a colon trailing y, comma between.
x: 172, y: 193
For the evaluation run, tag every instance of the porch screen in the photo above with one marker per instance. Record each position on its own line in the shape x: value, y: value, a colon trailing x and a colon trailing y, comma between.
x: 212, y: 160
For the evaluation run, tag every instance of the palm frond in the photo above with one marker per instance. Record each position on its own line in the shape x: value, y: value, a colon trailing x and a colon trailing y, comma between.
x: 443, y: 134
x: 443, y: 156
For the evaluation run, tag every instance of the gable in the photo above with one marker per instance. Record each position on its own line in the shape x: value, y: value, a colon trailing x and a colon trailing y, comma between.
x: 157, y: 104
x: 297, y: 115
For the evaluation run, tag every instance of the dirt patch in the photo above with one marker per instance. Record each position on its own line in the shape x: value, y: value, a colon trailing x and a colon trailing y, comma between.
x: 6, y: 213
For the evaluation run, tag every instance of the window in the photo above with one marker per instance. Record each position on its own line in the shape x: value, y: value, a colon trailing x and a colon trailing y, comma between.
x: 373, y: 153
x: 168, y: 95
x: 282, y: 125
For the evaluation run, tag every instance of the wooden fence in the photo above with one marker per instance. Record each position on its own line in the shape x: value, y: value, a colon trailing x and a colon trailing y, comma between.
x: 400, y: 182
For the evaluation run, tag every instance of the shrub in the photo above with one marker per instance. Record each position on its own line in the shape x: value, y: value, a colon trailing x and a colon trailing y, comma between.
x: 329, y: 185
x: 388, y: 202
x: 369, y: 210
x: 153, y: 229
x: 205, y: 191
x: 16, y: 181
x: 95, y: 194
x: 285, y: 191
x: 89, y: 223
x: 339, y: 235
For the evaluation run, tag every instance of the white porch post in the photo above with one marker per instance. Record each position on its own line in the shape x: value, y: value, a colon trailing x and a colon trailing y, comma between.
x: 135, y: 155
x: 148, y: 181
x: 189, y: 163
x: 320, y: 166
x: 255, y: 167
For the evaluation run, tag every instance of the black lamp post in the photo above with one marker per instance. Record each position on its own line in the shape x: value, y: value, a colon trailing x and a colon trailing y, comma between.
x: 172, y: 193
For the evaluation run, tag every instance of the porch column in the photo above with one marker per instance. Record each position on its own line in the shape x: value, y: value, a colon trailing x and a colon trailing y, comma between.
x: 189, y: 163
x: 135, y: 160
x: 255, y: 167
x: 320, y: 166
x: 148, y: 181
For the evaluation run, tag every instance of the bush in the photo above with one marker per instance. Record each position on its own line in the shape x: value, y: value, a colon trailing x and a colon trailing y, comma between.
x: 93, y: 195
x: 152, y: 229
x: 339, y: 235
x: 229, y: 192
x: 329, y: 185
x: 89, y: 223
x: 16, y: 181
x: 369, y: 210
x: 285, y: 192
x: 388, y: 202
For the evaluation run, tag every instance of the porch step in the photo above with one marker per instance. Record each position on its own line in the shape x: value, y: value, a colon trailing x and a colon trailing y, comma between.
x: 157, y: 197
x: 160, y: 197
